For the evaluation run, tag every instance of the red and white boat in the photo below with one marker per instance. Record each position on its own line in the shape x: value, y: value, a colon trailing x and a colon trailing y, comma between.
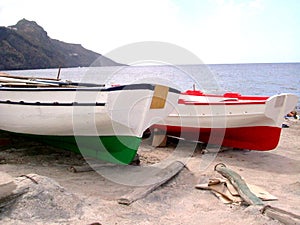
x: 233, y: 120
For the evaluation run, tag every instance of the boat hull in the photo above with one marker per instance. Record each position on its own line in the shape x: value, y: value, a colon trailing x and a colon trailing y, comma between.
x: 260, y: 138
x: 105, y: 124
x: 249, y: 122
x: 114, y: 149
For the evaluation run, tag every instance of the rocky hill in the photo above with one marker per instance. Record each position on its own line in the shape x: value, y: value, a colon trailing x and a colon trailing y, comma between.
x: 26, y: 45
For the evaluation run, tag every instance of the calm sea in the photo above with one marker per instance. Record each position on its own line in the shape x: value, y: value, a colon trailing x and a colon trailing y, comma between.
x: 247, y: 79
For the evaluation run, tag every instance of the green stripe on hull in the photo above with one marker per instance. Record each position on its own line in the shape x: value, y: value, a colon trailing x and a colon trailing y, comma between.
x: 115, y: 149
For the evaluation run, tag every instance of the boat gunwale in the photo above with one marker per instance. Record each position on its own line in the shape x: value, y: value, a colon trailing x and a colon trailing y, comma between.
x: 82, y: 88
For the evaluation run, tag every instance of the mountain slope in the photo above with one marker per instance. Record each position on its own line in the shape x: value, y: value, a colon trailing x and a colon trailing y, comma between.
x: 27, y: 45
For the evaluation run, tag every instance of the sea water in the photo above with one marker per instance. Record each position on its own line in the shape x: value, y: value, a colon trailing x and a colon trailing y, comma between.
x: 248, y: 79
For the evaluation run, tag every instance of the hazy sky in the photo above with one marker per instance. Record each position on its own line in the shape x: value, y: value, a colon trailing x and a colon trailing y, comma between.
x: 217, y: 31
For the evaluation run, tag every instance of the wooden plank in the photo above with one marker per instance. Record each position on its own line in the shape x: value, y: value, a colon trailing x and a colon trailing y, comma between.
x: 220, y: 189
x: 281, y: 215
x: 225, y: 193
x: 159, y: 97
x: 140, y: 192
x: 261, y: 193
x: 159, y: 138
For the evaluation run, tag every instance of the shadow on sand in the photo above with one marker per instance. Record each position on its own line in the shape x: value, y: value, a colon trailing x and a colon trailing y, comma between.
x: 263, y: 161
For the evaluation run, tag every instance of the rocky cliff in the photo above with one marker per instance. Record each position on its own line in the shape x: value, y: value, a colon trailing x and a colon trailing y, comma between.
x: 26, y: 45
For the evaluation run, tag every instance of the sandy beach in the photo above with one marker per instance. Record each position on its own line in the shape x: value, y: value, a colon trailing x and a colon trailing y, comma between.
x: 90, y: 197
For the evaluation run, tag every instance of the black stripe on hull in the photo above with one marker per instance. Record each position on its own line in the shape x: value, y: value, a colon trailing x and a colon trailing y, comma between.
x: 52, y: 104
x: 97, y: 89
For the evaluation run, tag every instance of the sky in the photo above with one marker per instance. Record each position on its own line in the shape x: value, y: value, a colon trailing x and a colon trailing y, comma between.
x: 217, y: 31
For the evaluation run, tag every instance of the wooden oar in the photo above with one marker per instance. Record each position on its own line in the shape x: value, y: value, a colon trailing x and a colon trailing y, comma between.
x: 4, y: 77
x: 2, y: 74
x: 26, y: 81
x: 22, y: 85
x: 70, y: 83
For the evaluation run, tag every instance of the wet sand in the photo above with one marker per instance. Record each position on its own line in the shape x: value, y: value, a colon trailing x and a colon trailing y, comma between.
x: 177, y: 201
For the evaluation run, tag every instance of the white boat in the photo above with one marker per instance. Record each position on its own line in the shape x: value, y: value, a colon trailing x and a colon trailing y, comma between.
x: 104, y: 123
x: 247, y: 122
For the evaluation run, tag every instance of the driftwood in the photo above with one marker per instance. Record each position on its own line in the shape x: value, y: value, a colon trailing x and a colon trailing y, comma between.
x: 242, y: 188
x: 281, y: 215
x: 166, y: 174
x: 238, y: 182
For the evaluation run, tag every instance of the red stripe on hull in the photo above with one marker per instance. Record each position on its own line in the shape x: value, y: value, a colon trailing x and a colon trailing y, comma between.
x: 185, y: 102
x: 226, y: 95
x: 260, y: 138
